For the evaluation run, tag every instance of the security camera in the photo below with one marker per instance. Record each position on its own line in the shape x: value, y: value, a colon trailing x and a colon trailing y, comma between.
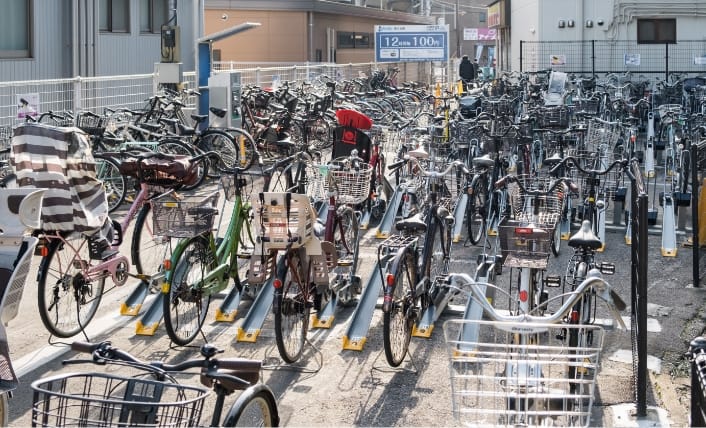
x: 224, y: 17
x: 599, y: 22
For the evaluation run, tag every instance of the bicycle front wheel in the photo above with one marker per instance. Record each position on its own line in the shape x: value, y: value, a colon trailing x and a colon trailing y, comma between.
x: 148, y: 251
x: 345, y: 238
x: 114, y: 183
x: 67, y: 301
x: 475, y: 215
x: 186, y: 305
x: 255, y: 407
x: 397, y: 320
x: 292, y: 311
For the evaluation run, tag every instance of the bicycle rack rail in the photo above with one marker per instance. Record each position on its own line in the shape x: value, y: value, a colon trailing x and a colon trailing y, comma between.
x: 485, y: 273
x: 364, y: 220
x: 255, y: 318
x: 650, y: 147
x: 459, y: 213
x: 357, y: 332
x: 148, y: 324
x: 669, y: 230
x: 388, y: 219
x: 132, y: 305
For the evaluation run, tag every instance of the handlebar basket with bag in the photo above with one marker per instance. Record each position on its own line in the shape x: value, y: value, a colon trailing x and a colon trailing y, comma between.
x: 97, y: 399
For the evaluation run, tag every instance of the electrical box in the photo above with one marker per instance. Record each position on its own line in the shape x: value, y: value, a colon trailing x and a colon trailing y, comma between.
x: 224, y: 93
x: 171, y: 46
x: 167, y: 74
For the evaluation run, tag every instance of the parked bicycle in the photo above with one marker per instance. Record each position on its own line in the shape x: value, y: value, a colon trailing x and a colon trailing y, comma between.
x: 519, y: 372
x: 153, y: 397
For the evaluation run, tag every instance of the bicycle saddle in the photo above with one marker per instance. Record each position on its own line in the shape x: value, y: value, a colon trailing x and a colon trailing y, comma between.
x: 553, y: 160
x: 412, y: 224
x: 585, y: 237
x: 484, y: 161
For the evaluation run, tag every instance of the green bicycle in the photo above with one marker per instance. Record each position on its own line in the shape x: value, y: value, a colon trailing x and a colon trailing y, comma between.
x: 203, y: 264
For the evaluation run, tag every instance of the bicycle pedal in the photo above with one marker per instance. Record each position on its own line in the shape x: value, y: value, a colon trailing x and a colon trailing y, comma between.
x: 552, y: 281
x: 345, y: 263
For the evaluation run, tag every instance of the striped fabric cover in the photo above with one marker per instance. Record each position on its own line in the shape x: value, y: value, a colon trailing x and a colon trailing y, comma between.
x: 60, y: 160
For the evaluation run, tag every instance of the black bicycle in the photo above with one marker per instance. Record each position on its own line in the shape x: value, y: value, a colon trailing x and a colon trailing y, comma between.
x: 154, y: 398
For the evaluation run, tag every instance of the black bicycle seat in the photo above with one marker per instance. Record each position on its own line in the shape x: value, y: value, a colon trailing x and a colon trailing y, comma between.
x: 483, y: 161
x: 412, y: 224
x: 585, y: 237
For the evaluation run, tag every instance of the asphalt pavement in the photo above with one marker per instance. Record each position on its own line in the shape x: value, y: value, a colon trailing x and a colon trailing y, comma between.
x: 335, y: 387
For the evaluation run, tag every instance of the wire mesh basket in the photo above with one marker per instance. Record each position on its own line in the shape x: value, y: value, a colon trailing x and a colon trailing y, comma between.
x: 96, y: 399
x: 542, y: 210
x: 553, y: 117
x: 524, y: 245
x: 185, y: 218
x: 495, y: 381
x: 586, y: 106
x: 352, y: 185
x: 283, y: 220
x: 91, y: 124
x: 230, y: 186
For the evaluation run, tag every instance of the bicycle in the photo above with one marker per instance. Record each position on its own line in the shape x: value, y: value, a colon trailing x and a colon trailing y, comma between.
x: 100, y: 399
x: 410, y: 282
x: 74, y: 266
x: 515, y: 371
x: 202, y: 264
x: 20, y: 211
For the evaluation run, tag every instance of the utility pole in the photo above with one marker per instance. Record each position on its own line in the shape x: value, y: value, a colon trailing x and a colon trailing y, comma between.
x: 458, y: 33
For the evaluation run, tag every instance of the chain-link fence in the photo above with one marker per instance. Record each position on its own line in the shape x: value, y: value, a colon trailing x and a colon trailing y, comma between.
x: 590, y: 57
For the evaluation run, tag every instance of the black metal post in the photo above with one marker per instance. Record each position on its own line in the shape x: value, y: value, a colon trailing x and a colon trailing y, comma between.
x: 521, y: 43
x: 694, y: 149
x: 593, y: 58
x: 642, y: 309
x: 666, y: 61
x: 697, y: 348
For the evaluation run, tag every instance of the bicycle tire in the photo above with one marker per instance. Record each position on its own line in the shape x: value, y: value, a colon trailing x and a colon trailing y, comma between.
x: 397, y: 320
x: 475, y: 217
x: 114, y: 183
x: 436, y: 252
x: 574, y: 340
x: 67, y: 304
x: 148, y: 251
x: 556, y: 240
x: 4, y: 409
x: 346, y: 240
x: 185, y: 307
x: 280, y: 180
x: 291, y: 311
x: 213, y: 140
x: 255, y: 407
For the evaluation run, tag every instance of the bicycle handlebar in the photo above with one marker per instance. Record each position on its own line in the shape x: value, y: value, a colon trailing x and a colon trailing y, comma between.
x: 593, y: 281
x: 245, y: 371
x: 622, y: 162
x: 432, y: 174
x: 554, y: 184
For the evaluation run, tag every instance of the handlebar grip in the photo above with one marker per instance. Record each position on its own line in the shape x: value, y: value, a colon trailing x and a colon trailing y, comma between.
x: 396, y: 165
x: 617, y: 301
x: 503, y: 181
x: 86, y: 347
x: 240, y: 364
x: 572, y: 186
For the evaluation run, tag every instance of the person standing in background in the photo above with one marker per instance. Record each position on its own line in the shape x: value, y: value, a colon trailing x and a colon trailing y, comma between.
x: 467, y: 72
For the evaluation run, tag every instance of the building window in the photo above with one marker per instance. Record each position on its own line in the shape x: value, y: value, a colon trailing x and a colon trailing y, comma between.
x: 482, y: 17
x: 350, y: 40
x: 114, y: 16
x: 153, y: 14
x: 16, y: 29
x: 656, y: 31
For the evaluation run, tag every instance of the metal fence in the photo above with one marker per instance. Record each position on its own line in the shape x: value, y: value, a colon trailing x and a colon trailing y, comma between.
x: 591, y: 57
x: 97, y: 93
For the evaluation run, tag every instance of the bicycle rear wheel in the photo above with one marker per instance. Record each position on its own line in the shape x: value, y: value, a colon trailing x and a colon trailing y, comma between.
x: 149, y: 251
x: 67, y: 302
x: 292, y: 311
x: 345, y: 238
x: 186, y: 306
x: 255, y: 407
x: 398, y: 320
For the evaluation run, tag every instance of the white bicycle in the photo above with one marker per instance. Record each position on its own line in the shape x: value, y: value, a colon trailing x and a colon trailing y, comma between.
x: 519, y: 369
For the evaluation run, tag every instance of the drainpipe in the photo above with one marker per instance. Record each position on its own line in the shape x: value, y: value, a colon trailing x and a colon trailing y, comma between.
x: 74, y: 39
x: 310, y: 54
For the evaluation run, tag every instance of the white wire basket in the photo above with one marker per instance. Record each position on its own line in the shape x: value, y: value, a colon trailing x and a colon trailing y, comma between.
x: 495, y: 381
x: 352, y: 185
x: 185, y: 218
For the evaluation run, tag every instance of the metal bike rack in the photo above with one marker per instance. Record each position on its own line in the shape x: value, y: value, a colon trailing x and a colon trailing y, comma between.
x: 459, y: 214
x: 132, y: 305
x: 255, y: 318
x: 149, y: 323
x: 388, y: 219
x: 600, y: 214
x: 565, y: 222
x: 649, y: 149
x: 364, y: 220
x: 357, y: 332
x: 669, y: 231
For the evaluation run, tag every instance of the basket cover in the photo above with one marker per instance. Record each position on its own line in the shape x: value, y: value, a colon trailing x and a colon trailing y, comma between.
x: 60, y: 160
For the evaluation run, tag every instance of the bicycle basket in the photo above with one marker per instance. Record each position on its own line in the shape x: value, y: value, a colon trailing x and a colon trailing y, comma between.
x: 353, y: 184
x: 96, y: 399
x: 523, y: 245
x: 553, y: 117
x: 497, y: 382
x: 185, y: 218
x: 91, y: 124
x: 283, y: 220
x: 542, y: 211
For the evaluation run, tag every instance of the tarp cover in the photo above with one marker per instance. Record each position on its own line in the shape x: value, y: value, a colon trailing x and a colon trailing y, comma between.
x: 60, y: 160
